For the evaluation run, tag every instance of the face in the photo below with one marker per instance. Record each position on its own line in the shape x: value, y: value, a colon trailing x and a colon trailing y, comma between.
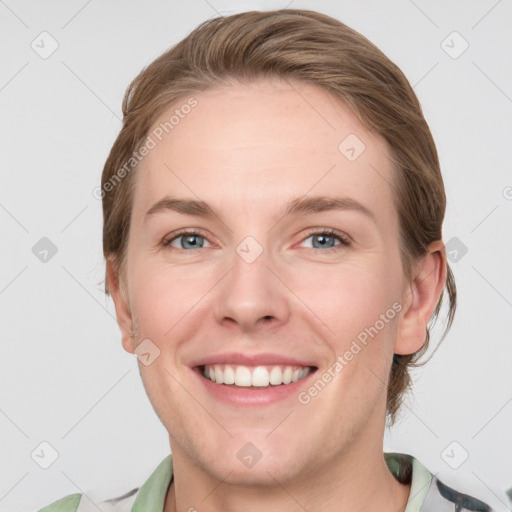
x: 263, y: 246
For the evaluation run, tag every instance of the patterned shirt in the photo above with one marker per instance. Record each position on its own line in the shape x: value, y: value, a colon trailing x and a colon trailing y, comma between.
x: 427, y: 494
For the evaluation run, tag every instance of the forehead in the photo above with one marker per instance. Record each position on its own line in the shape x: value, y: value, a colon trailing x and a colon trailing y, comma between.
x: 260, y: 143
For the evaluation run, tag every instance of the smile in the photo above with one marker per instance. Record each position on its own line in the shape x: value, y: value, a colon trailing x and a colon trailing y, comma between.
x: 254, y: 376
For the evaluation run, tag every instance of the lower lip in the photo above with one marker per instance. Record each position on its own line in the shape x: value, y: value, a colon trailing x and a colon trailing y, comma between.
x: 240, y: 396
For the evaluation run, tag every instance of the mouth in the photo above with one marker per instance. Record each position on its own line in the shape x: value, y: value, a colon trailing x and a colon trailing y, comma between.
x: 254, y: 377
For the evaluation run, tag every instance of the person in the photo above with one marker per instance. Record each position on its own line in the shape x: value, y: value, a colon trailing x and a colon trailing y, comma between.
x: 273, y: 210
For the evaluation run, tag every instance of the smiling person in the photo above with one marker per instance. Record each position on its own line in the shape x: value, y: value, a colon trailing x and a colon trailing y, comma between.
x: 273, y: 210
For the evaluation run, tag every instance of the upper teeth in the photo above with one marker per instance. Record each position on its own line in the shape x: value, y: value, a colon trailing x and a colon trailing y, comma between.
x: 254, y: 375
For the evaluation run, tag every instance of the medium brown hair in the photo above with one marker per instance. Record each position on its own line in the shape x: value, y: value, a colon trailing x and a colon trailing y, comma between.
x: 305, y: 46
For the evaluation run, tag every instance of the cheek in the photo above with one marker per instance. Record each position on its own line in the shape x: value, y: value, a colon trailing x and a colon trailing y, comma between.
x: 358, y: 310
x: 348, y: 298
x: 165, y: 298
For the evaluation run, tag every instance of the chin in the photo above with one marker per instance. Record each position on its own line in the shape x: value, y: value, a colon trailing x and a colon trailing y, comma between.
x: 259, y: 476
x: 250, y: 466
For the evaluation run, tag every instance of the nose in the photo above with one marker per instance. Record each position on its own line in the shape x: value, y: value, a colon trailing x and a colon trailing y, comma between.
x: 252, y: 296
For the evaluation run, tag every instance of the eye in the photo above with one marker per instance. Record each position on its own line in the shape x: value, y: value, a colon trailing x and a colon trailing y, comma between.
x: 185, y: 240
x: 323, y: 239
x: 326, y: 239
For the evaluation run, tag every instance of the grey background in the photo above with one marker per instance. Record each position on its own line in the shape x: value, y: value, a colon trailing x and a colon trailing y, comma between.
x: 64, y: 377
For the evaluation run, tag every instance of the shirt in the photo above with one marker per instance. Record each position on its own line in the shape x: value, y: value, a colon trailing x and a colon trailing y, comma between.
x: 427, y: 494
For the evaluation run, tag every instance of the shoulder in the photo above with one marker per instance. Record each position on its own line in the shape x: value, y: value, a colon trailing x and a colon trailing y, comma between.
x: 149, y: 496
x: 428, y: 493
x: 440, y: 495
x: 67, y: 504
x: 91, y: 503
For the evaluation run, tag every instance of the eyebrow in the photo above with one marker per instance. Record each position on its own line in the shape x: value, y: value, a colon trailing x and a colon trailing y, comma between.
x: 297, y: 206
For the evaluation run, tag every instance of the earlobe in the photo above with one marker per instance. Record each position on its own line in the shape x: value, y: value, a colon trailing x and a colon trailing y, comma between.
x: 420, y: 299
x: 121, y: 303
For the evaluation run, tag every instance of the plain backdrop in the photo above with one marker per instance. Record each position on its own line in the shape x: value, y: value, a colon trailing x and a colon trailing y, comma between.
x: 65, y: 379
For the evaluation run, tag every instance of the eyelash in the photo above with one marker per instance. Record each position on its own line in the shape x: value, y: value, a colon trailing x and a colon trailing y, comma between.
x: 344, y: 240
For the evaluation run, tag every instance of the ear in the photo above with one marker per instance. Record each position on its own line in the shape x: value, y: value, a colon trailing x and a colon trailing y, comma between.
x: 420, y: 298
x: 122, y: 305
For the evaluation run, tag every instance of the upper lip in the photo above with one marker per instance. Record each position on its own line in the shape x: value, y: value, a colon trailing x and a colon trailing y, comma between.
x: 264, y: 359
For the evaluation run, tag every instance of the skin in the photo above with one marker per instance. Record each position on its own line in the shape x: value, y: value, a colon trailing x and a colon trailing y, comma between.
x: 247, y: 149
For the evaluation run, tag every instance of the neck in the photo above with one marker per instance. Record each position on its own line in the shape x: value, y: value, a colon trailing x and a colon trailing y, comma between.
x: 350, y: 481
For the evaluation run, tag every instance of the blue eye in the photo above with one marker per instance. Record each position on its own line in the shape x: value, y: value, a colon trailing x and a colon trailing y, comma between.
x: 190, y: 240
x: 327, y: 239
x: 324, y: 239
